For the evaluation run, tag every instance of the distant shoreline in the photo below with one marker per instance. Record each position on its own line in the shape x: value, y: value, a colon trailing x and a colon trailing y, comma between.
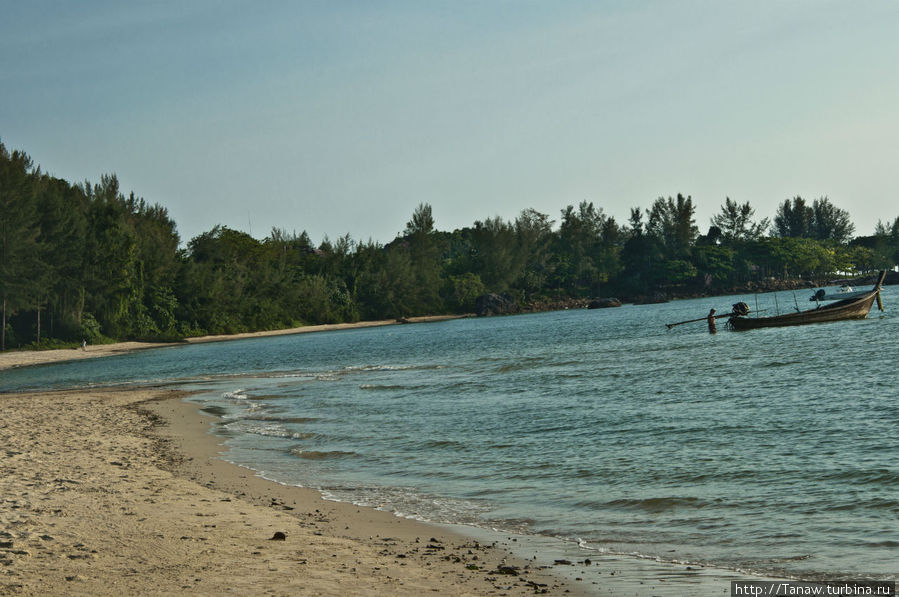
x: 25, y: 358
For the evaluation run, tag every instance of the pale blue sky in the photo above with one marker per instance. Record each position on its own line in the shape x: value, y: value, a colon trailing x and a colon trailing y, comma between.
x: 340, y: 117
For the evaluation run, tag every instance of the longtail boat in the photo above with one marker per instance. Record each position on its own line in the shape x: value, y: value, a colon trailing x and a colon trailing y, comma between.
x: 841, y: 295
x: 850, y: 308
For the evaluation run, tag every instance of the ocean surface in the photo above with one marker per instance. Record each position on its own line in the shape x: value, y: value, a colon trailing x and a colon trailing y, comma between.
x: 771, y: 451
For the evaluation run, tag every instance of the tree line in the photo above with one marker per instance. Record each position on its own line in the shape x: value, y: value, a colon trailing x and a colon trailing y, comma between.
x: 84, y: 261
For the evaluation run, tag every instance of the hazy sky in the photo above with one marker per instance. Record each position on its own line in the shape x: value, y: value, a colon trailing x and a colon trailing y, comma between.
x: 340, y: 117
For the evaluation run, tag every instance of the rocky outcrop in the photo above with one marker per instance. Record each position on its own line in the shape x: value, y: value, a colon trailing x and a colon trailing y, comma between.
x: 603, y: 303
x: 540, y: 305
x: 495, y: 304
x: 654, y: 298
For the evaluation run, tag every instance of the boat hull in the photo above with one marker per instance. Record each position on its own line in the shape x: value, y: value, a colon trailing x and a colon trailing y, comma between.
x: 857, y: 308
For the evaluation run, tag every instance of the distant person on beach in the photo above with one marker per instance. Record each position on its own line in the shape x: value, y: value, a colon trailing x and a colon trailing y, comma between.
x: 83, y: 344
x: 711, y: 318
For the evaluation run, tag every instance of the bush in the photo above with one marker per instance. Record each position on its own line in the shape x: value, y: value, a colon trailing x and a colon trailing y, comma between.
x: 90, y: 330
x: 10, y: 336
x: 465, y: 289
x: 51, y: 344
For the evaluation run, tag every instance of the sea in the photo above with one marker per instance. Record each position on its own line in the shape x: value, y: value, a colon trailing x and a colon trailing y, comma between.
x: 771, y: 452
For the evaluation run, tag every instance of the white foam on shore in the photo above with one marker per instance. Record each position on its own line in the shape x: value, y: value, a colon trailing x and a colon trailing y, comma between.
x: 593, y: 569
x: 600, y: 572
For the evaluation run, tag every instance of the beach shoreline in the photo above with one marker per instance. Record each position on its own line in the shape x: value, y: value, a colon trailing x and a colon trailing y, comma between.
x: 112, y: 491
x: 154, y: 434
x: 544, y: 563
x: 108, y: 491
x: 23, y: 358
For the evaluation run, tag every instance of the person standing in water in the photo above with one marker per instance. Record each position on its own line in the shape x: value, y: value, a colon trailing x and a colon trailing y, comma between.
x: 711, y: 318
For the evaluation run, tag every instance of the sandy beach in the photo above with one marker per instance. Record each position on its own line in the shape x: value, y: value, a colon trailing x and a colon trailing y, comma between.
x: 22, y: 358
x: 110, y: 492
x: 99, y: 497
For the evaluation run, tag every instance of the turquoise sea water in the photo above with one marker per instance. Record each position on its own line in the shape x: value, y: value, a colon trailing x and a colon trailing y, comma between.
x: 771, y: 451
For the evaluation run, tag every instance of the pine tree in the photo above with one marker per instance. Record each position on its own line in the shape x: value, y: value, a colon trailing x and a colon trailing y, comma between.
x: 19, y: 231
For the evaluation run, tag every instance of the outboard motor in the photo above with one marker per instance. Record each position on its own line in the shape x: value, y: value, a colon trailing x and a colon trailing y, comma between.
x: 818, y: 296
x: 741, y: 308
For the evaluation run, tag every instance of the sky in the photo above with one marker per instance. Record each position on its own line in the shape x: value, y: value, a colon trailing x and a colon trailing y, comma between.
x: 340, y: 117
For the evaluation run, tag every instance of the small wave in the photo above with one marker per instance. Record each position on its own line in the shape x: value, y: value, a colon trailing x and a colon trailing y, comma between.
x: 870, y: 504
x: 658, y: 504
x: 510, y: 367
x: 882, y: 544
x: 443, y: 443
x: 305, y: 435
x: 798, y: 558
x: 290, y: 375
x: 534, y: 362
x: 779, y: 536
x: 407, y: 502
x: 267, y: 397
x: 243, y: 426
x: 315, y: 455
x: 553, y: 429
x: 874, y: 477
x: 235, y: 395
x: 781, y: 364
x: 355, y: 368
x: 387, y: 388
x: 276, y: 418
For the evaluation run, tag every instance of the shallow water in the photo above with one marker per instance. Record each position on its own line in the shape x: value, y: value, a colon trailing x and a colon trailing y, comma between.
x: 770, y: 451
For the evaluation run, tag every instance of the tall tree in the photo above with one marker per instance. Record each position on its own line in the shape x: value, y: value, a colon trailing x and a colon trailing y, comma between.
x: 20, y: 266
x: 113, y: 280
x: 494, y: 254
x: 822, y: 220
x: 672, y: 222
x: 214, y: 284
x: 424, y: 257
x: 533, y: 233
x: 422, y: 221
x: 640, y: 254
x: 587, y: 248
x: 635, y: 222
x: 794, y: 219
x: 736, y: 223
x: 63, y: 224
x: 831, y: 222
x: 887, y: 229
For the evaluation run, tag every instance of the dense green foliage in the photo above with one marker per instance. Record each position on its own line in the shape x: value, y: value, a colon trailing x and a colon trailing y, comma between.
x: 82, y: 261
